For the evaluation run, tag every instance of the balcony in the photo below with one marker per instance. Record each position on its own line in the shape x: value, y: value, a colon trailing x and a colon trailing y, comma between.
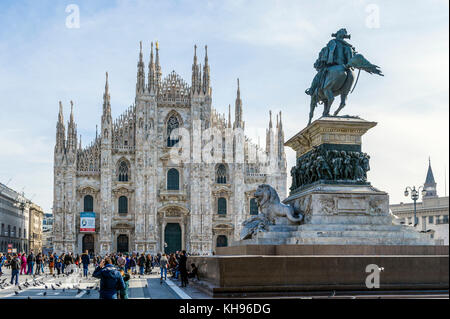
x: 172, y: 195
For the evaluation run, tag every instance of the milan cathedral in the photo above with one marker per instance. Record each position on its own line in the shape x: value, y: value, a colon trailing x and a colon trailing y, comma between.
x: 138, y: 197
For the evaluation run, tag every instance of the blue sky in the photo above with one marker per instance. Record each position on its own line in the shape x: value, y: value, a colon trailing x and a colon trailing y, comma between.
x: 270, y: 45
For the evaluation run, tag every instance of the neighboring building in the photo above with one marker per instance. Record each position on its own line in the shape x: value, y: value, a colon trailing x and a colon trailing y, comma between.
x: 431, y: 213
x: 123, y: 193
x: 47, y: 222
x: 14, y: 220
x: 47, y: 227
x: 36, y: 218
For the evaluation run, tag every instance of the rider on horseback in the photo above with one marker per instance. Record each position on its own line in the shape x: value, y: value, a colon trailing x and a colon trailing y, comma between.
x: 337, y: 52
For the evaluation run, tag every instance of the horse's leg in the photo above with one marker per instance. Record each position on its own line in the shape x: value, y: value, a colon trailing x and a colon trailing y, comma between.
x: 341, y: 106
x: 330, y: 99
x: 345, y: 90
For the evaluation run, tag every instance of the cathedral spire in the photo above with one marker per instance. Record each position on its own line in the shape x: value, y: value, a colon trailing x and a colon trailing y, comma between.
x: 238, y: 108
x: 61, y: 114
x: 151, y: 72
x: 280, y: 134
x: 140, y: 82
x: 195, y: 74
x: 430, y: 183
x: 60, y: 131
x: 269, y: 135
x: 158, y: 73
x: 106, y: 116
x: 229, y: 115
x: 206, y: 74
x: 71, y: 131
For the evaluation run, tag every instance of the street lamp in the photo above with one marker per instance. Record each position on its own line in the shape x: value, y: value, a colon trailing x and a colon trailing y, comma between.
x: 415, y: 197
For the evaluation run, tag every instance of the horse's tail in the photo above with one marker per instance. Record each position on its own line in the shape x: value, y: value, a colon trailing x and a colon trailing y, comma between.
x: 360, y: 62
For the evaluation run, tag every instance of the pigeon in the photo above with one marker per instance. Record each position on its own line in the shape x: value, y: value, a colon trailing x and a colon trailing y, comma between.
x: 20, y: 288
x: 16, y: 292
x: 79, y: 290
x: 53, y: 288
x: 45, y: 293
x: 64, y: 289
x: 46, y: 287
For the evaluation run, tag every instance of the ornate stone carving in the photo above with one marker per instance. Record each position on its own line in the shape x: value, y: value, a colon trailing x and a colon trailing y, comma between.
x: 330, y: 164
x: 327, y: 205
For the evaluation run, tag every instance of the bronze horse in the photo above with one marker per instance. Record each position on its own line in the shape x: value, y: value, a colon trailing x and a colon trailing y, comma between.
x: 339, y: 80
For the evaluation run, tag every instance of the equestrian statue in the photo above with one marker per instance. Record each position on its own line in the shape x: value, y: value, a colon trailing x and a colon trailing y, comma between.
x: 335, y: 73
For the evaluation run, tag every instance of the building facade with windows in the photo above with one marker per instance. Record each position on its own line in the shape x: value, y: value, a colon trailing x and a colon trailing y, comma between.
x: 14, y: 220
x: 143, y: 194
x: 431, y: 213
x: 36, y: 227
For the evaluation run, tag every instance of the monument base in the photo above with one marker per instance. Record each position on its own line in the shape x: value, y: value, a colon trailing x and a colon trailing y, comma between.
x: 340, y: 214
x: 280, y: 275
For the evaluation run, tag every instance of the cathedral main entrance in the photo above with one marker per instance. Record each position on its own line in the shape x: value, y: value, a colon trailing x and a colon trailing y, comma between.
x: 172, y: 238
x: 122, y: 244
x: 88, y: 243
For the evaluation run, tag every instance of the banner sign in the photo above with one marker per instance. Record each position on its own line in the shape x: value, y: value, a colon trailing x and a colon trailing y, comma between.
x: 87, y: 222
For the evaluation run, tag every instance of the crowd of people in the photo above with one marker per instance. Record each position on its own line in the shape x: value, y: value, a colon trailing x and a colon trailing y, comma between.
x: 113, y: 270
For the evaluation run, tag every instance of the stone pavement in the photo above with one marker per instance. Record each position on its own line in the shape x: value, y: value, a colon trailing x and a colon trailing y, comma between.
x: 74, y: 286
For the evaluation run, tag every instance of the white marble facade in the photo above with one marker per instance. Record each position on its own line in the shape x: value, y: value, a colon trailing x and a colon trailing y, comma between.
x: 129, y: 161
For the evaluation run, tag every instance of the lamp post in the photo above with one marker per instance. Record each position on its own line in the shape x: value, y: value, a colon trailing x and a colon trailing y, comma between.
x: 415, y: 197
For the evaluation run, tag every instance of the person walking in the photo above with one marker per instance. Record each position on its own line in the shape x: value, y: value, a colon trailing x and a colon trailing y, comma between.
x: 133, y: 264
x: 141, y: 263
x: 31, y: 259
x: 58, y: 265
x: 123, y: 293
x: 2, y: 262
x: 15, y: 267
x: 121, y: 261
x: 85, y: 261
x: 183, y: 268
x: 67, y: 261
x: 23, y: 264
x: 111, y: 280
x: 51, y: 263
x: 163, y: 262
x: 38, y: 263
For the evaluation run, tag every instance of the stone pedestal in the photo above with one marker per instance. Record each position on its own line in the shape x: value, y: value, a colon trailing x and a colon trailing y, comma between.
x: 331, y: 190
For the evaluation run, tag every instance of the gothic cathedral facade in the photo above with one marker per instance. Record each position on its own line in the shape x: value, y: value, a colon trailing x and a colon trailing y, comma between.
x: 138, y: 197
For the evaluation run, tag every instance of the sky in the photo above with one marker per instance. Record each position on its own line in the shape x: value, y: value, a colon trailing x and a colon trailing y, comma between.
x: 270, y: 45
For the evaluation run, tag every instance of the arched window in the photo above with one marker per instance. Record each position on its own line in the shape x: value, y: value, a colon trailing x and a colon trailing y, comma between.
x: 172, y: 123
x: 14, y: 232
x: 88, y: 203
x: 9, y: 230
x: 253, y: 207
x: 123, y: 174
x: 173, y: 179
x: 221, y: 174
x: 222, y: 206
x: 222, y: 241
x: 123, y: 205
x: 20, y: 232
x: 3, y: 230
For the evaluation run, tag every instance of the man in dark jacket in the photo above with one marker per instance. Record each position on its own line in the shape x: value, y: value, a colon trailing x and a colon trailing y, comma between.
x: 15, y: 267
x: 111, y: 280
x: 30, y: 262
x: 85, y: 261
x: 183, y: 268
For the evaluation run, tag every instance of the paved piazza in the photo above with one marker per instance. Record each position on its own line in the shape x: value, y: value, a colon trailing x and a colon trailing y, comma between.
x: 74, y: 286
